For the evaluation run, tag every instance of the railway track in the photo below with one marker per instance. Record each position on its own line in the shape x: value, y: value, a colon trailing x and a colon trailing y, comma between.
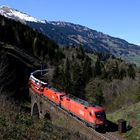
x: 102, y: 136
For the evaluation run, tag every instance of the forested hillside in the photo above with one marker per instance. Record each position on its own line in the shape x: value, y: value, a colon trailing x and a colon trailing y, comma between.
x: 69, y: 34
x: 102, y: 80
x: 76, y: 72
x: 22, y: 51
x: 98, y: 78
x: 21, y: 46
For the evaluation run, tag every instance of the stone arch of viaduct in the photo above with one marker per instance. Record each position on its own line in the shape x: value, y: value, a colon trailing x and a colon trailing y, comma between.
x: 41, y: 107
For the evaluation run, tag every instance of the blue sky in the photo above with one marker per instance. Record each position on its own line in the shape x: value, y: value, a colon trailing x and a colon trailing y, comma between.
x: 119, y: 18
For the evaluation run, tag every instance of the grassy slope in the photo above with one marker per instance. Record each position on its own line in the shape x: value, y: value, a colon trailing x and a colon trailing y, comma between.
x: 135, y: 59
x: 17, y: 124
x: 132, y: 115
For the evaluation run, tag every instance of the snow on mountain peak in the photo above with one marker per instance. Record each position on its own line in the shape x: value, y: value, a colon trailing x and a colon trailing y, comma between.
x: 15, y: 14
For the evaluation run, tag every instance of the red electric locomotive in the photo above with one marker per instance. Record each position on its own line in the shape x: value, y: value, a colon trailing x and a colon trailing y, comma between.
x: 93, y: 116
x: 53, y: 94
x: 45, y: 89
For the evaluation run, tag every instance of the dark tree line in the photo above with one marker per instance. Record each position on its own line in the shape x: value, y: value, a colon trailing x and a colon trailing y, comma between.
x: 112, y: 69
x: 14, y: 74
x: 15, y: 33
x: 7, y: 76
x: 74, y: 74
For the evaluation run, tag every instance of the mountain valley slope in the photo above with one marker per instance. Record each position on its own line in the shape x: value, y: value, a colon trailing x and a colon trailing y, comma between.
x: 70, y: 35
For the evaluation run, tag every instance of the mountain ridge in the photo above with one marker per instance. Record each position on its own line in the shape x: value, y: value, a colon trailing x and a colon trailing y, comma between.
x: 70, y: 34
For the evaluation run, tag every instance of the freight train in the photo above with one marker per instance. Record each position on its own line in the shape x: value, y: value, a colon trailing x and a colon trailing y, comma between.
x: 92, y: 116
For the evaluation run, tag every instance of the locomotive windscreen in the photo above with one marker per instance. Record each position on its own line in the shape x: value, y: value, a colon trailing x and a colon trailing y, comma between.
x: 100, y: 115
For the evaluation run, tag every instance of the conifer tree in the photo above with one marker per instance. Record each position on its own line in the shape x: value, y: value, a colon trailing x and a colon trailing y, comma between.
x: 58, y: 78
x: 97, y: 69
x: 99, y: 96
x: 131, y: 71
x: 67, y: 76
x: 78, y: 83
x: 122, y: 74
x: 87, y: 71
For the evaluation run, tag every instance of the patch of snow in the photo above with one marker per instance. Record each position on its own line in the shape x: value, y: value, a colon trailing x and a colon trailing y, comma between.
x: 12, y: 13
x: 23, y: 16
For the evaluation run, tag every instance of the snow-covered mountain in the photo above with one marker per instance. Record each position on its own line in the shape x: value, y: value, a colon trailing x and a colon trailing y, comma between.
x: 17, y: 15
x: 69, y: 34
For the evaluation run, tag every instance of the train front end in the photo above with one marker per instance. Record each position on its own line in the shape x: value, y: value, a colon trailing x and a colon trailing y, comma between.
x: 98, y: 117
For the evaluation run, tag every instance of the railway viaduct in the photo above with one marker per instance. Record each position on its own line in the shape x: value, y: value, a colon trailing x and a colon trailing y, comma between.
x: 43, y: 108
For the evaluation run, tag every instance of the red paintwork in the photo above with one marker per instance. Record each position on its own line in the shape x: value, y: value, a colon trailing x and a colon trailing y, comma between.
x: 80, y: 110
x: 52, y: 95
x: 36, y: 87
